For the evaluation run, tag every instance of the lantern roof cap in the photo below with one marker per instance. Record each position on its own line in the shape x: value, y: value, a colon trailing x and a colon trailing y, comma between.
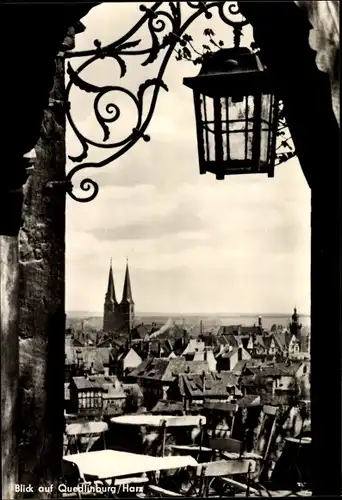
x: 231, y: 60
x: 229, y: 70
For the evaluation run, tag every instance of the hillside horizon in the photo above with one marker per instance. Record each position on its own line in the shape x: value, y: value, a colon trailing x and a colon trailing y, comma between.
x: 180, y: 314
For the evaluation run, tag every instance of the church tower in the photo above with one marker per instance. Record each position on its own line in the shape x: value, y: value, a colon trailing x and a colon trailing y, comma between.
x: 295, y: 326
x: 127, y: 311
x: 110, y: 305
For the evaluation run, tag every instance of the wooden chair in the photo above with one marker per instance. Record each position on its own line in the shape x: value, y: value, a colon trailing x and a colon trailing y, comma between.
x: 265, y: 438
x: 211, y: 479
x: 87, y: 431
x: 184, y: 421
x: 231, y: 449
x: 226, y: 411
x: 215, y: 477
x: 72, y: 477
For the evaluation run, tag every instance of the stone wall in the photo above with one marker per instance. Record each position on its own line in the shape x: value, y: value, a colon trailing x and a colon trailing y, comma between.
x: 41, y: 295
x: 325, y: 40
x: 9, y: 370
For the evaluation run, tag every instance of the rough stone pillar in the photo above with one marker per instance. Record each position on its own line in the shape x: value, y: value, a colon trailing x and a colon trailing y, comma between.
x: 42, y: 310
x: 11, y: 196
x: 9, y: 362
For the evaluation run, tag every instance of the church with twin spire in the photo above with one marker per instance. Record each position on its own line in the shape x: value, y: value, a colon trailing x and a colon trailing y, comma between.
x: 118, y: 316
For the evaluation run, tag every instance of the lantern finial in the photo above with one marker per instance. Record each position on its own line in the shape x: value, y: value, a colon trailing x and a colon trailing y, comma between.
x: 237, y: 36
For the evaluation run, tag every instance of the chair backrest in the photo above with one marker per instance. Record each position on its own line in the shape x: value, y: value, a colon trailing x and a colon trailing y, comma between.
x: 226, y: 444
x: 223, y: 468
x: 223, y: 407
x: 185, y: 421
x: 84, y: 435
x: 86, y: 428
x: 222, y: 423
x: 267, y: 428
x: 70, y: 473
x: 270, y: 410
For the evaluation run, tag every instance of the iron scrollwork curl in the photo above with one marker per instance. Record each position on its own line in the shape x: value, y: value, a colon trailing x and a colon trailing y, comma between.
x: 158, y: 20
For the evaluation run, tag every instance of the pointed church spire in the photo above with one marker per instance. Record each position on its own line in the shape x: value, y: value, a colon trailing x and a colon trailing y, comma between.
x: 110, y: 295
x: 127, y: 291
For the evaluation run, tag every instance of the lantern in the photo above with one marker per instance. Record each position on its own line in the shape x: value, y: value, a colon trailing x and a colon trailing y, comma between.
x: 236, y: 114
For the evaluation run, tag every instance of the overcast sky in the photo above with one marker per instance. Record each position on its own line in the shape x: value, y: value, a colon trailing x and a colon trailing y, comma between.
x: 194, y: 244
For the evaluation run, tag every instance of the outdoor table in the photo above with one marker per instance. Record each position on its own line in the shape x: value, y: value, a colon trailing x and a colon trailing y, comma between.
x: 201, y: 453
x: 112, y: 464
x: 160, y: 420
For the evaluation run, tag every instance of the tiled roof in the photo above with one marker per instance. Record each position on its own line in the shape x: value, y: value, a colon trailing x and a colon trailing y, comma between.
x: 279, y: 369
x: 193, y: 346
x: 252, y: 329
x: 88, y: 356
x: 248, y: 380
x: 110, y: 386
x: 227, y: 376
x: 227, y: 329
x: 168, y: 407
x: 259, y: 341
x: 150, y: 368
x: 229, y: 339
x: 177, y: 366
x: 249, y: 400
x: 167, y: 346
x: 206, y: 386
x: 105, y: 343
x: 113, y: 391
x: 174, y: 332
x: 83, y: 383
x: 141, y: 331
x: 227, y: 352
x: 167, y: 369
x: 281, y: 339
x: 245, y: 364
x: 104, y: 379
x: 239, y: 367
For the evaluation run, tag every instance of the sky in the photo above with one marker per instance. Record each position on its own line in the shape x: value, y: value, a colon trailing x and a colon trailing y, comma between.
x: 194, y: 244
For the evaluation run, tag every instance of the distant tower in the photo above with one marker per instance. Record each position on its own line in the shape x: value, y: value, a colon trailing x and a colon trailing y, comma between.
x: 110, y: 305
x: 260, y: 328
x: 295, y: 326
x: 126, y: 308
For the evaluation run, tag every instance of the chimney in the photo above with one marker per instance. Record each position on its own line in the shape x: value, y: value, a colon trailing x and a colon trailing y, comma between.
x: 201, y: 326
x: 205, y: 355
x: 203, y: 380
x: 159, y: 348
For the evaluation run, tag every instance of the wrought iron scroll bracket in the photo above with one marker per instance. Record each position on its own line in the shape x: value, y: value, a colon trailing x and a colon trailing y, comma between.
x: 166, y: 27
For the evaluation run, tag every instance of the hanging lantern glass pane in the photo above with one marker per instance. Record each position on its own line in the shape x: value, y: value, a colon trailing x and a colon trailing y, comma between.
x: 238, y: 133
